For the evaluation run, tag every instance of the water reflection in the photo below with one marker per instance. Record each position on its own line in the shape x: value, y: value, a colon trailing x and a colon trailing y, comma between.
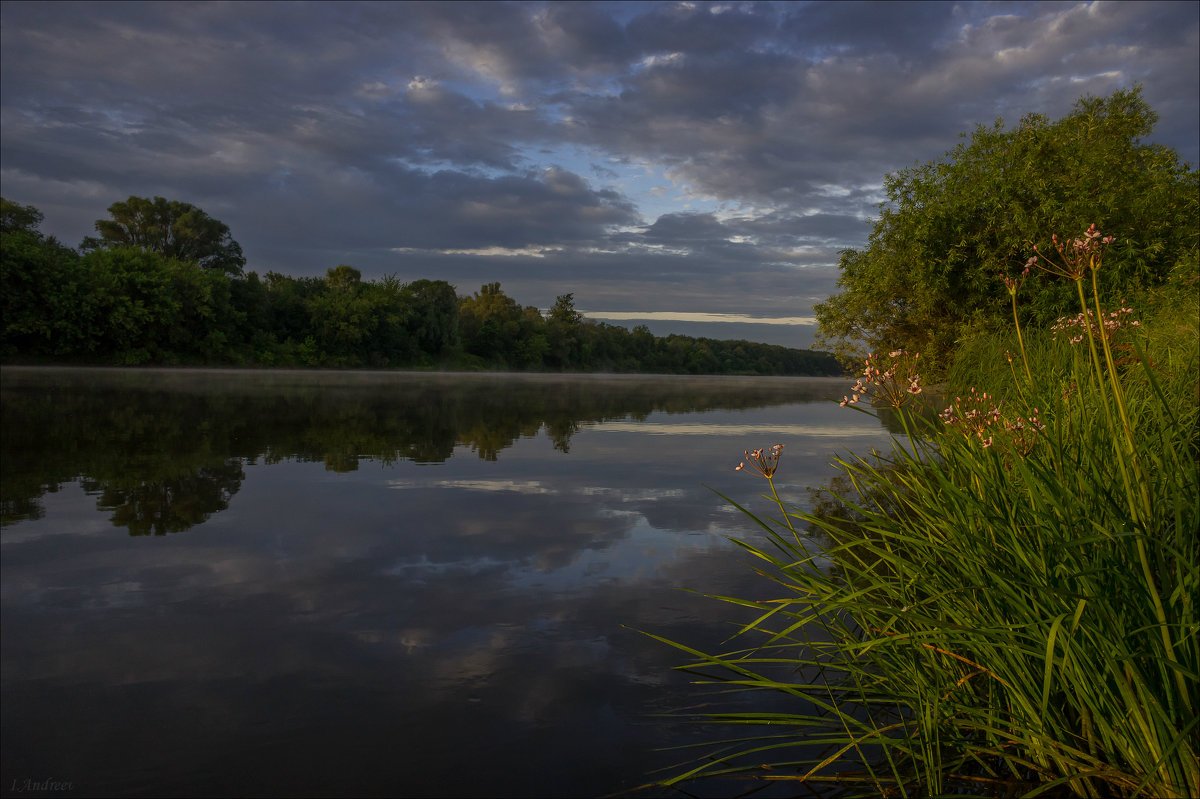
x: 170, y: 505
x: 164, y: 449
x: 393, y: 585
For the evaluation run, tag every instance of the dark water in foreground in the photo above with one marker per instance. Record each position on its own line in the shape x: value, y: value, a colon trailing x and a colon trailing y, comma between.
x: 282, y: 583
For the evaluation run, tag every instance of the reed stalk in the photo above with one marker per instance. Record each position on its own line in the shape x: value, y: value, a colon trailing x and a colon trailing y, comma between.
x: 982, y: 611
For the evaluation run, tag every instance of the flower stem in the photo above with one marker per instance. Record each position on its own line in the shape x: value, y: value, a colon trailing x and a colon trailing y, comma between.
x: 1021, y: 340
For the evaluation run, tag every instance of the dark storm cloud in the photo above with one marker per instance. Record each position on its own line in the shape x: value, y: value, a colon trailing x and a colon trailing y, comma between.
x: 538, y: 43
x: 703, y: 27
x: 905, y: 31
x: 681, y: 228
x: 376, y: 216
x: 543, y: 144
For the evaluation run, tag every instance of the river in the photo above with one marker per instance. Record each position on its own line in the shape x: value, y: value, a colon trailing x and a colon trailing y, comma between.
x: 277, y: 583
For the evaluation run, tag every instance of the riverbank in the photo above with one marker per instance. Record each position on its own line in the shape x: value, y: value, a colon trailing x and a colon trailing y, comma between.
x: 1004, y: 602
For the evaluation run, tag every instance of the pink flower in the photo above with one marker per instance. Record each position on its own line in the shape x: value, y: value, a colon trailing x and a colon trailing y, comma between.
x: 764, y: 464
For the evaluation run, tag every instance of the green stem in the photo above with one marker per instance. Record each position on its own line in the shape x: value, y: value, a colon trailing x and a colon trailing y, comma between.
x: 1020, y: 339
x: 1117, y: 391
x: 786, y: 519
x: 1099, y: 373
x: 1147, y: 506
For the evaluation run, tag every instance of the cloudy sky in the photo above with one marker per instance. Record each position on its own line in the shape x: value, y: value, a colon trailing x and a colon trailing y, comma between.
x: 695, y: 166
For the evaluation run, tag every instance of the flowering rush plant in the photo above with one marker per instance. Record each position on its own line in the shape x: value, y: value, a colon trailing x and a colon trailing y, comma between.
x: 1076, y: 328
x: 1075, y: 255
x: 895, y: 384
x: 763, y: 461
x: 984, y: 497
x: 979, y: 415
x: 976, y: 415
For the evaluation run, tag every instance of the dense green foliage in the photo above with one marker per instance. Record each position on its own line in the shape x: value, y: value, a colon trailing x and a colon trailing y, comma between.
x: 1167, y: 315
x: 171, y: 228
x: 929, y: 277
x: 1004, y: 604
x: 147, y: 298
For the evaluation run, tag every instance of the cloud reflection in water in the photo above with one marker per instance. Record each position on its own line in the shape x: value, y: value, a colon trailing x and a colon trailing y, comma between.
x: 363, y: 631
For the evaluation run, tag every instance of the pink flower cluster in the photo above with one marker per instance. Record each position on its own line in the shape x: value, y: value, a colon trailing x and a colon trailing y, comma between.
x: 974, y: 415
x: 979, y: 415
x: 1023, y: 432
x: 1078, y: 255
x: 895, y: 385
x: 1091, y: 241
x: 1077, y: 327
x: 765, y: 462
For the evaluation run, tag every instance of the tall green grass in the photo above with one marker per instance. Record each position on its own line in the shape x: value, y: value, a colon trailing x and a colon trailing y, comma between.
x: 1004, y: 604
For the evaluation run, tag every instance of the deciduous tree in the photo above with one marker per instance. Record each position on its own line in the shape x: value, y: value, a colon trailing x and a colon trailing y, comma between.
x: 171, y: 228
x: 431, y: 315
x: 931, y: 272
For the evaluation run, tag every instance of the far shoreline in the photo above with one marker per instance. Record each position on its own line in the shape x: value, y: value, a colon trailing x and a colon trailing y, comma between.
x: 286, y: 371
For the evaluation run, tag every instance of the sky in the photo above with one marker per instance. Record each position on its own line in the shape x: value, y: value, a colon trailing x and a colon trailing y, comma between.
x: 692, y: 166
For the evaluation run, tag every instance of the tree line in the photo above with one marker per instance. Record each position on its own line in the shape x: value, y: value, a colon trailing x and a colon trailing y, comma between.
x: 163, y: 283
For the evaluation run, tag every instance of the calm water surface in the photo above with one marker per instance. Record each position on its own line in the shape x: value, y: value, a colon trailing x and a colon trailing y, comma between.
x: 283, y: 583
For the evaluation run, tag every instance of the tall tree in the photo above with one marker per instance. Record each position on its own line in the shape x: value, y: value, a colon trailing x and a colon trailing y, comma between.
x: 564, y: 311
x: 432, y: 315
x: 15, y: 218
x: 171, y: 228
x: 342, y: 317
x: 490, y: 323
x: 562, y: 332
x: 930, y: 274
x: 39, y: 287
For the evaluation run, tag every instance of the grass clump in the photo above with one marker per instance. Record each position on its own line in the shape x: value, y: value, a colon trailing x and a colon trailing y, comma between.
x: 1004, y: 604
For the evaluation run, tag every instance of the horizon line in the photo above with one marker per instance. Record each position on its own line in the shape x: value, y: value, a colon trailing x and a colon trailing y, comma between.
x: 688, y: 316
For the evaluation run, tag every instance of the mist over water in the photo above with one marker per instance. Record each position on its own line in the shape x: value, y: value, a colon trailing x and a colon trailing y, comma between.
x: 225, y: 582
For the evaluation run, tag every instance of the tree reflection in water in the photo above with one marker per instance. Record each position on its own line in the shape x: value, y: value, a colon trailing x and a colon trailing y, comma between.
x: 165, y: 449
x: 173, y: 505
x: 391, y: 563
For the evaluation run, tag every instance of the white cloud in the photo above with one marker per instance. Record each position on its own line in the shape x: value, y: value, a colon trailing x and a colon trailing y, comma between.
x: 680, y: 316
x: 487, y: 252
